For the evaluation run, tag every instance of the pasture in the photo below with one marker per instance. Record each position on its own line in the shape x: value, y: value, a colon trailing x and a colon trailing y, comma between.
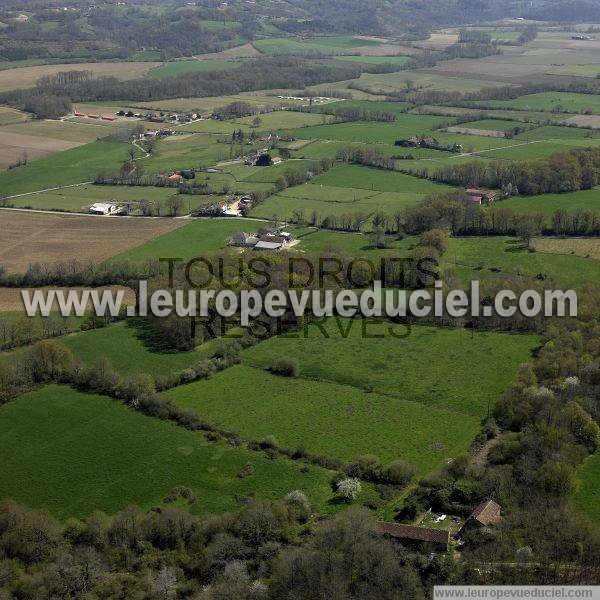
x: 131, y: 347
x: 477, y: 258
x: 549, y: 101
x: 194, y: 239
x: 327, y: 418
x: 73, y: 453
x: 27, y: 238
x: 79, y: 198
x: 405, y: 126
x: 433, y: 366
x: 368, y: 178
x: 76, y: 165
x: 549, y: 203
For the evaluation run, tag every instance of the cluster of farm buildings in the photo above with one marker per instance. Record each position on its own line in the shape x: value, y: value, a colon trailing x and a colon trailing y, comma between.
x: 487, y: 514
x: 271, y: 239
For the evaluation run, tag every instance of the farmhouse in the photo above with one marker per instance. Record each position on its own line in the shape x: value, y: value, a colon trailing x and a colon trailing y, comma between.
x: 243, y: 239
x: 102, y: 208
x: 416, y: 537
x: 481, y: 195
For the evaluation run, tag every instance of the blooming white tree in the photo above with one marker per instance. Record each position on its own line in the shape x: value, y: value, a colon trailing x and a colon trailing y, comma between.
x: 349, y: 489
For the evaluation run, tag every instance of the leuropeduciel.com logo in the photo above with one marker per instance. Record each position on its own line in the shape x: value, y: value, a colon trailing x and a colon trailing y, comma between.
x: 260, y: 291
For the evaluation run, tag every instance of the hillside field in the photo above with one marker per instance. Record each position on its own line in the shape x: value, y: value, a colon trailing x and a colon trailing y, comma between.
x: 327, y: 418
x: 73, y: 453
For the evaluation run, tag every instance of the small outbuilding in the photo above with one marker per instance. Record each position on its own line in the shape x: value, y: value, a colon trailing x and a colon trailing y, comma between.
x: 486, y: 514
x: 415, y: 536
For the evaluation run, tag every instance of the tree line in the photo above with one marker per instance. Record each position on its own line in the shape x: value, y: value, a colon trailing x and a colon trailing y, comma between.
x: 571, y: 171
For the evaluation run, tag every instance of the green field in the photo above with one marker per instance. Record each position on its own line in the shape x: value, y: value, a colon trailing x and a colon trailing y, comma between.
x: 549, y: 101
x: 201, y: 236
x: 587, y: 496
x: 476, y: 258
x: 398, y: 108
x: 71, y: 166
x: 79, y: 199
x: 349, y: 189
x: 549, y: 203
x: 328, y: 418
x: 335, y: 201
x: 542, y: 149
x: 555, y: 132
x: 334, y: 44
x: 74, y: 453
x: 131, y: 347
x: 492, y: 125
x: 186, y: 67
x: 282, y: 119
x: 367, y: 178
x: 437, y: 367
x: 405, y: 126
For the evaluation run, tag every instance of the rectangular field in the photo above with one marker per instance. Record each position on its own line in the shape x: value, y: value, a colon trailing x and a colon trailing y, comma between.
x: 73, y: 453
x: 405, y: 126
x: 195, y: 239
x: 549, y: 203
x: 477, y: 258
x: 328, y: 418
x: 26, y: 77
x: 27, y: 238
x: 64, y: 168
x: 434, y: 366
x: 15, y: 146
x: 550, y: 101
x: 131, y: 347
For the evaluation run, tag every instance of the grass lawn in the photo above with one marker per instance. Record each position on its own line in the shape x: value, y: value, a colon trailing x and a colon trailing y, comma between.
x: 186, y: 67
x: 587, y: 496
x: 132, y: 347
x: 436, y: 367
x: 71, y: 166
x: 200, y: 237
x: 328, y: 418
x: 74, y: 453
